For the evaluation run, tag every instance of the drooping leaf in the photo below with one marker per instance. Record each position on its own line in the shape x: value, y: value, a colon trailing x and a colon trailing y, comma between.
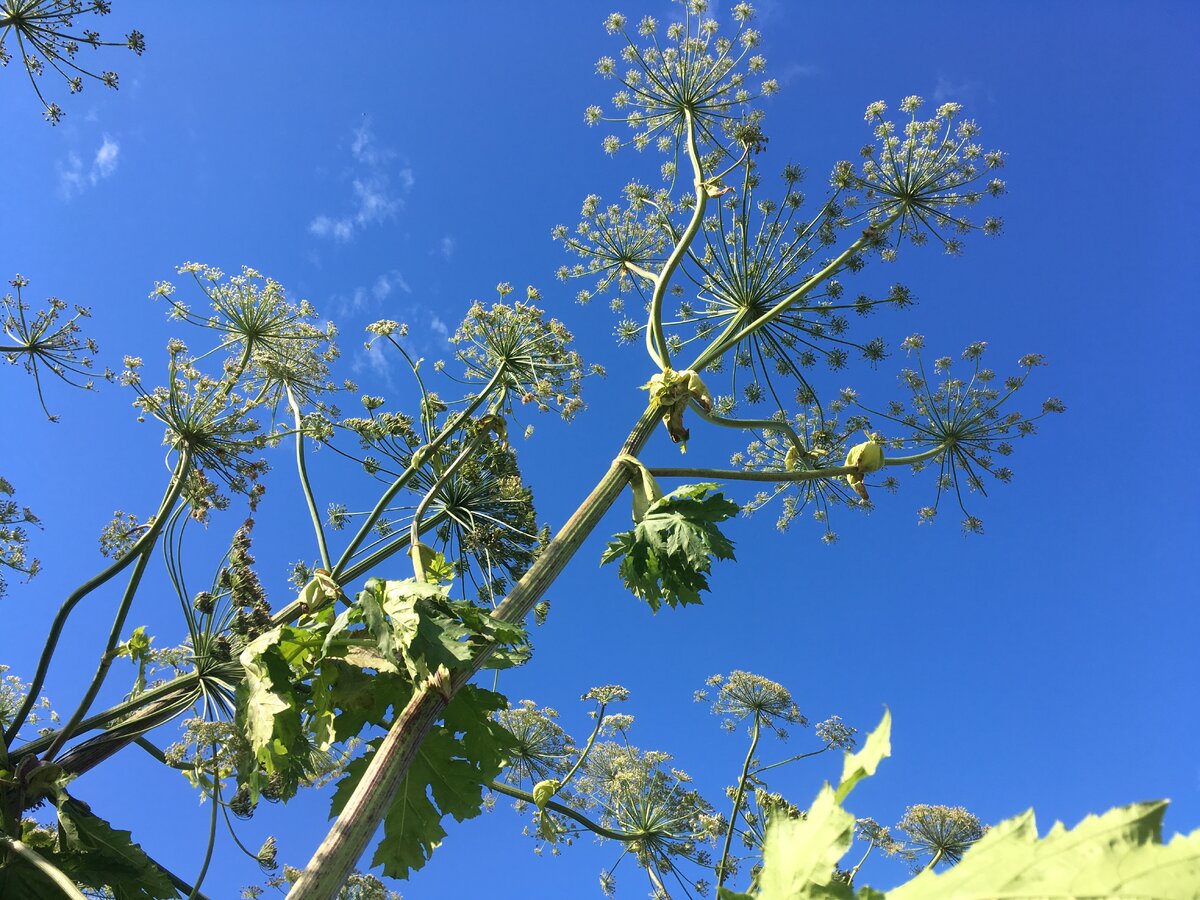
x: 1118, y: 855
x: 668, y: 555
x: 459, y: 756
x: 95, y: 854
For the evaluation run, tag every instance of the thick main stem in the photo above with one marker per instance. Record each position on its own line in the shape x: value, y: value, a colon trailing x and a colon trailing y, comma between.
x: 333, y: 861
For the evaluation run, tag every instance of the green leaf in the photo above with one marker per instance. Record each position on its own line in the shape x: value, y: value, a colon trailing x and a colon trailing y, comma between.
x: 446, y: 778
x: 668, y: 555
x: 800, y: 856
x: 95, y: 854
x: 267, y: 704
x: 860, y: 765
x: 1117, y: 855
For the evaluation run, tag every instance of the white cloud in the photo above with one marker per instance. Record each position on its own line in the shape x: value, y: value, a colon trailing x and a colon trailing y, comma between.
x: 74, y: 180
x: 70, y: 176
x: 794, y: 71
x: 373, y: 198
x: 446, y: 248
x: 388, y: 282
x: 963, y: 92
x: 437, y: 326
x: 374, y: 358
x: 105, y: 162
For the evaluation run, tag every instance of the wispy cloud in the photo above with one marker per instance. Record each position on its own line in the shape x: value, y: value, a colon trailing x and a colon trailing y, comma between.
x: 377, y: 189
x: 388, y: 282
x: 795, y: 71
x: 446, y: 248
x: 367, y: 299
x: 74, y: 178
x: 960, y: 92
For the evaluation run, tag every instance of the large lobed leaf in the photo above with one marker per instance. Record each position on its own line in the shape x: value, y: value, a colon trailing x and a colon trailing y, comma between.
x: 454, y: 762
x: 1116, y: 856
x: 309, y: 686
x: 668, y: 555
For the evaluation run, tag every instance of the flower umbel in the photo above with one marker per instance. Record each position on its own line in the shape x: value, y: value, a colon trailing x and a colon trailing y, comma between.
x: 42, y: 342
x: 45, y: 35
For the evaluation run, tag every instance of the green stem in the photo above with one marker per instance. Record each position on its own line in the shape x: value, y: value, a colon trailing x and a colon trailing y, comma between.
x: 742, y: 475
x: 784, y: 428
x: 106, y: 658
x: 716, y: 349
x: 302, y: 470
x: 933, y: 862
x: 723, y: 863
x: 367, y: 563
x: 792, y: 760
x: 212, y: 827
x: 35, y: 859
x: 656, y: 339
x: 518, y: 794
x: 343, y: 845
x: 146, y: 541
x: 394, y: 488
x: 414, y: 530
x: 587, y: 748
x: 794, y: 475
x: 854, y: 871
x: 116, y: 712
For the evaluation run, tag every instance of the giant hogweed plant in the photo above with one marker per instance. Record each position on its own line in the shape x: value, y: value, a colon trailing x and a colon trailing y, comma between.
x: 723, y: 281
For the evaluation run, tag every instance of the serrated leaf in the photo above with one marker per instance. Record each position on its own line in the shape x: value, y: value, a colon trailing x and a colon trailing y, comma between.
x: 1117, y: 855
x: 267, y: 704
x: 459, y: 756
x: 800, y: 856
x: 94, y: 853
x: 669, y: 553
x: 860, y: 765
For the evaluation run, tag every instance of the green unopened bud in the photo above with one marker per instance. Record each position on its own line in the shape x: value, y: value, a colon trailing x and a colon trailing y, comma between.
x: 867, y: 457
x: 543, y: 791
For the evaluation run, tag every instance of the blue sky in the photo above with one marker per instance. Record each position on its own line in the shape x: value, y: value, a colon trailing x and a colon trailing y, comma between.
x: 398, y: 161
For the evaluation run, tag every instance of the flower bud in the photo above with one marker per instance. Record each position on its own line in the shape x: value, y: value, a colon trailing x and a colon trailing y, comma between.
x: 868, y: 458
x: 543, y: 791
